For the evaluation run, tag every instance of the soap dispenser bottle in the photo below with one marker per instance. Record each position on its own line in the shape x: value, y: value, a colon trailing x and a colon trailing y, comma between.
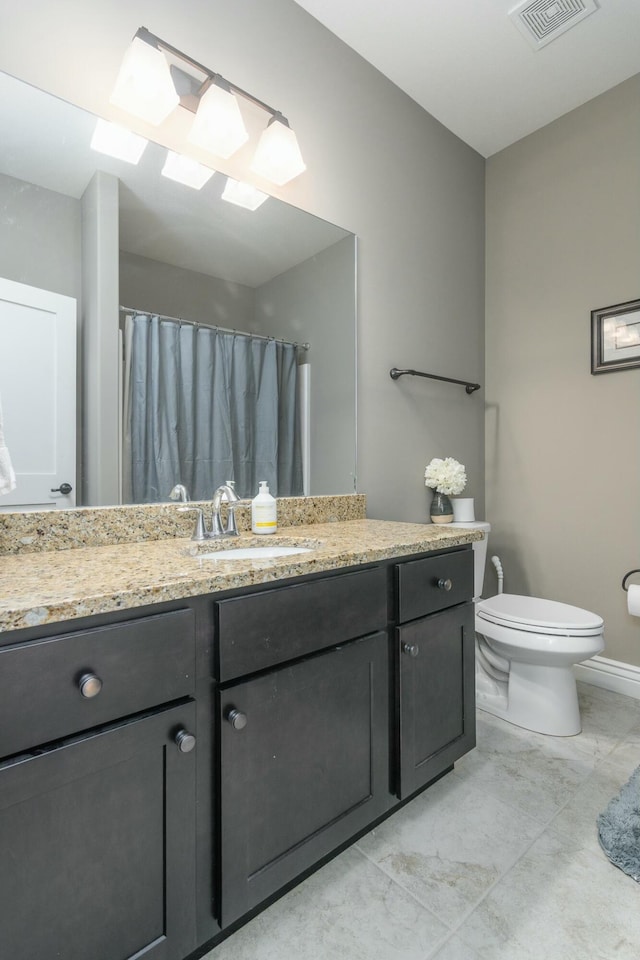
x: 264, y: 513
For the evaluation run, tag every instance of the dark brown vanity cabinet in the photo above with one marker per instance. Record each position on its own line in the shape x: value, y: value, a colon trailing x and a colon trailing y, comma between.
x: 97, y: 828
x: 304, y: 743
x: 435, y: 643
x: 321, y: 703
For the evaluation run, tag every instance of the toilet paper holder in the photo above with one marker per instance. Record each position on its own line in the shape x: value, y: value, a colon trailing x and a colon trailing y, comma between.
x: 626, y: 577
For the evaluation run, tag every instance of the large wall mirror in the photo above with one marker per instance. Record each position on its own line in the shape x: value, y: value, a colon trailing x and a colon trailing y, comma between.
x: 189, y: 262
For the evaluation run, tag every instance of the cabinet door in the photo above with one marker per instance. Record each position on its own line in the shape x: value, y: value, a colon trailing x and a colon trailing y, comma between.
x: 436, y: 694
x: 98, y: 844
x: 305, y: 767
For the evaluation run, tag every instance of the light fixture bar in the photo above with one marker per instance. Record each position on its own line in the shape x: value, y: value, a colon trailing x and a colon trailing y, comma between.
x: 156, y: 41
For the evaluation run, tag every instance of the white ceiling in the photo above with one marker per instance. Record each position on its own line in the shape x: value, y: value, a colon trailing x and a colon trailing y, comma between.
x: 468, y: 65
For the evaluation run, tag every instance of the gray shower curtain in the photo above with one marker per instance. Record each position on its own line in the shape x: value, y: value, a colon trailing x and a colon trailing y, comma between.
x: 202, y: 406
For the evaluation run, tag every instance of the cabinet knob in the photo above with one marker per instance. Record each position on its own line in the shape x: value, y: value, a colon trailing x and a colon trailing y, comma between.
x: 445, y: 584
x: 411, y: 649
x: 90, y: 685
x: 236, y: 718
x: 185, y: 741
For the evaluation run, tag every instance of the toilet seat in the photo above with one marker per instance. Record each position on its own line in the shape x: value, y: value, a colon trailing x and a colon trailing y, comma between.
x: 532, y: 615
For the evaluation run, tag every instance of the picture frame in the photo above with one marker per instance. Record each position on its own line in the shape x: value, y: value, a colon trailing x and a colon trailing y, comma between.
x: 615, y: 337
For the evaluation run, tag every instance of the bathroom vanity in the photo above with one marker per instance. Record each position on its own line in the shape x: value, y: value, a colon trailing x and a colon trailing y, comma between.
x: 180, y: 752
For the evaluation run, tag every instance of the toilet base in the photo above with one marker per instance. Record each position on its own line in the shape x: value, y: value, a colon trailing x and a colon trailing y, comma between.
x: 539, y: 698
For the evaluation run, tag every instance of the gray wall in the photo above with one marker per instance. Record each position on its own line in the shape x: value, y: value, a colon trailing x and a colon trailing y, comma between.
x: 314, y: 302
x: 378, y: 165
x: 162, y: 288
x: 40, y: 237
x: 563, y: 446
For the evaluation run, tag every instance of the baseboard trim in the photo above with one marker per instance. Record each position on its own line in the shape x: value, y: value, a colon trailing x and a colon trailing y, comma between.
x: 611, y: 675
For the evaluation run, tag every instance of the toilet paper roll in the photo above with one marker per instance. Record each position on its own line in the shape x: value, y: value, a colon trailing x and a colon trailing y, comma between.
x: 633, y: 600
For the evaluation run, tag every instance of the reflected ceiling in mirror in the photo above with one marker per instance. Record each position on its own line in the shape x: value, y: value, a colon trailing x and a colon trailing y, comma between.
x: 276, y: 271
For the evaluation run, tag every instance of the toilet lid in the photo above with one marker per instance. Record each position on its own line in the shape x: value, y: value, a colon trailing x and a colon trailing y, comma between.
x: 527, y: 612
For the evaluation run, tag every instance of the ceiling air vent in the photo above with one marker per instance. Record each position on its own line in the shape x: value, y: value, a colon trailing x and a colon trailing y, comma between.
x: 541, y: 21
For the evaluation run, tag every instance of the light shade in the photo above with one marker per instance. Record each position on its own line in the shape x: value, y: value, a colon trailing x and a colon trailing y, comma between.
x: 144, y: 86
x: 278, y: 156
x: 186, y: 170
x: 243, y: 194
x: 218, y: 126
x: 117, y: 141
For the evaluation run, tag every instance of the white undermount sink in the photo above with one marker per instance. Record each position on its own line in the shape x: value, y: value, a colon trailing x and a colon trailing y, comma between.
x: 253, y: 553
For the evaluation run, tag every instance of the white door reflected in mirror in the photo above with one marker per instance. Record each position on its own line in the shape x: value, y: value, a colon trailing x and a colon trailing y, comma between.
x: 38, y: 388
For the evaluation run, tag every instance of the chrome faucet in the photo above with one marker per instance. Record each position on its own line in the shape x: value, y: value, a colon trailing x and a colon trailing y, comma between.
x: 224, y: 494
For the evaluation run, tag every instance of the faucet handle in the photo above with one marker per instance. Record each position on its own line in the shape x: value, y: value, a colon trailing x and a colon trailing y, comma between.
x: 199, y: 531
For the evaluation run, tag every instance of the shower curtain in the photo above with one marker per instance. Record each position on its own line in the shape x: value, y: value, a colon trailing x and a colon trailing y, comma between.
x: 203, y: 406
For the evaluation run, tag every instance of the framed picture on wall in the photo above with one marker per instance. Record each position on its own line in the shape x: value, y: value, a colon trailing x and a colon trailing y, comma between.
x: 615, y: 337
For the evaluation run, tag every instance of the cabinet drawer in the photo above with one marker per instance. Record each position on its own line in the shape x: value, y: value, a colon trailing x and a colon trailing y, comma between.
x: 268, y: 628
x: 422, y: 584
x: 141, y: 663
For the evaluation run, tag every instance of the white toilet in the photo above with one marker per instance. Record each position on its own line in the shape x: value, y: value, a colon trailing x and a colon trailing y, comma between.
x: 525, y: 648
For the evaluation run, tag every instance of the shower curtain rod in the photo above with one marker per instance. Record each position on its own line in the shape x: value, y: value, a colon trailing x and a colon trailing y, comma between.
x: 196, y: 323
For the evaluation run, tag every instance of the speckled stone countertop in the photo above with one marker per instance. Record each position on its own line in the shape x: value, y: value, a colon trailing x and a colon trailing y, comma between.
x: 52, y: 586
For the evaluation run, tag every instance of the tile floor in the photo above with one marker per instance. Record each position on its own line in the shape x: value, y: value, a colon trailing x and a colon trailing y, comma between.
x: 498, y: 861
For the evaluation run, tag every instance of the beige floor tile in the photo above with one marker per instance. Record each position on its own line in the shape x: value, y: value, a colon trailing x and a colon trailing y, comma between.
x: 348, y: 910
x: 450, y: 845
x: 558, y: 903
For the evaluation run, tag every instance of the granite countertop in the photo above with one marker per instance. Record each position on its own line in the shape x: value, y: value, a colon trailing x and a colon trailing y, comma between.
x: 49, y: 587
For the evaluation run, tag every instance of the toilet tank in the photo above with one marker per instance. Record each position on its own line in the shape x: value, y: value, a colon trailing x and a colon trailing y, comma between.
x: 479, y: 553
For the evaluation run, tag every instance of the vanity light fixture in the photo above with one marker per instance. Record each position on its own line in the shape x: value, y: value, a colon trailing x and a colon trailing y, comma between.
x: 186, y: 170
x: 243, y: 194
x: 278, y: 156
x: 144, y: 86
x: 218, y: 126
x: 117, y: 141
x: 153, y: 80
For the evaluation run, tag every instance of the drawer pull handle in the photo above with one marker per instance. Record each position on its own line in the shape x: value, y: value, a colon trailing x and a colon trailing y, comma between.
x: 445, y: 584
x: 411, y: 649
x: 90, y: 685
x: 185, y: 741
x: 237, y: 719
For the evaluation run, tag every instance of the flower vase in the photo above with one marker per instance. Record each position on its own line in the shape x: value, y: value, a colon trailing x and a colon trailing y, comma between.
x: 441, y: 510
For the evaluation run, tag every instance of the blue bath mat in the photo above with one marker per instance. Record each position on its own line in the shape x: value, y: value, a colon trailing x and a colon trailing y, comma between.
x: 619, y: 828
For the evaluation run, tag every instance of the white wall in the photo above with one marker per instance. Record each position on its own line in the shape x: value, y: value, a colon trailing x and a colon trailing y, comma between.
x: 40, y: 237
x: 563, y: 446
x: 314, y: 302
x: 156, y: 287
x: 378, y: 165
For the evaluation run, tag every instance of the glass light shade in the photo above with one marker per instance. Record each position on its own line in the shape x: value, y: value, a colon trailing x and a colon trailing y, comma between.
x: 218, y: 126
x: 117, y: 141
x: 243, y: 194
x: 278, y: 156
x: 144, y: 86
x: 186, y: 170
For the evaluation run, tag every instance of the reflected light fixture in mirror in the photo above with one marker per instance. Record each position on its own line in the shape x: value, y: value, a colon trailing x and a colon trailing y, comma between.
x: 116, y: 141
x: 150, y: 84
x: 243, y: 194
x: 186, y: 170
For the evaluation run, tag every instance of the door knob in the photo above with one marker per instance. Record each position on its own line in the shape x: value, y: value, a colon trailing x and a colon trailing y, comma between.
x: 90, y: 685
x: 445, y: 584
x: 185, y: 741
x: 411, y: 649
x: 64, y: 489
x: 236, y: 718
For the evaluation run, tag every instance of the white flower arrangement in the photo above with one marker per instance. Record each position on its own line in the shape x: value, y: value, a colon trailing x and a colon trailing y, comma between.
x: 445, y: 476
